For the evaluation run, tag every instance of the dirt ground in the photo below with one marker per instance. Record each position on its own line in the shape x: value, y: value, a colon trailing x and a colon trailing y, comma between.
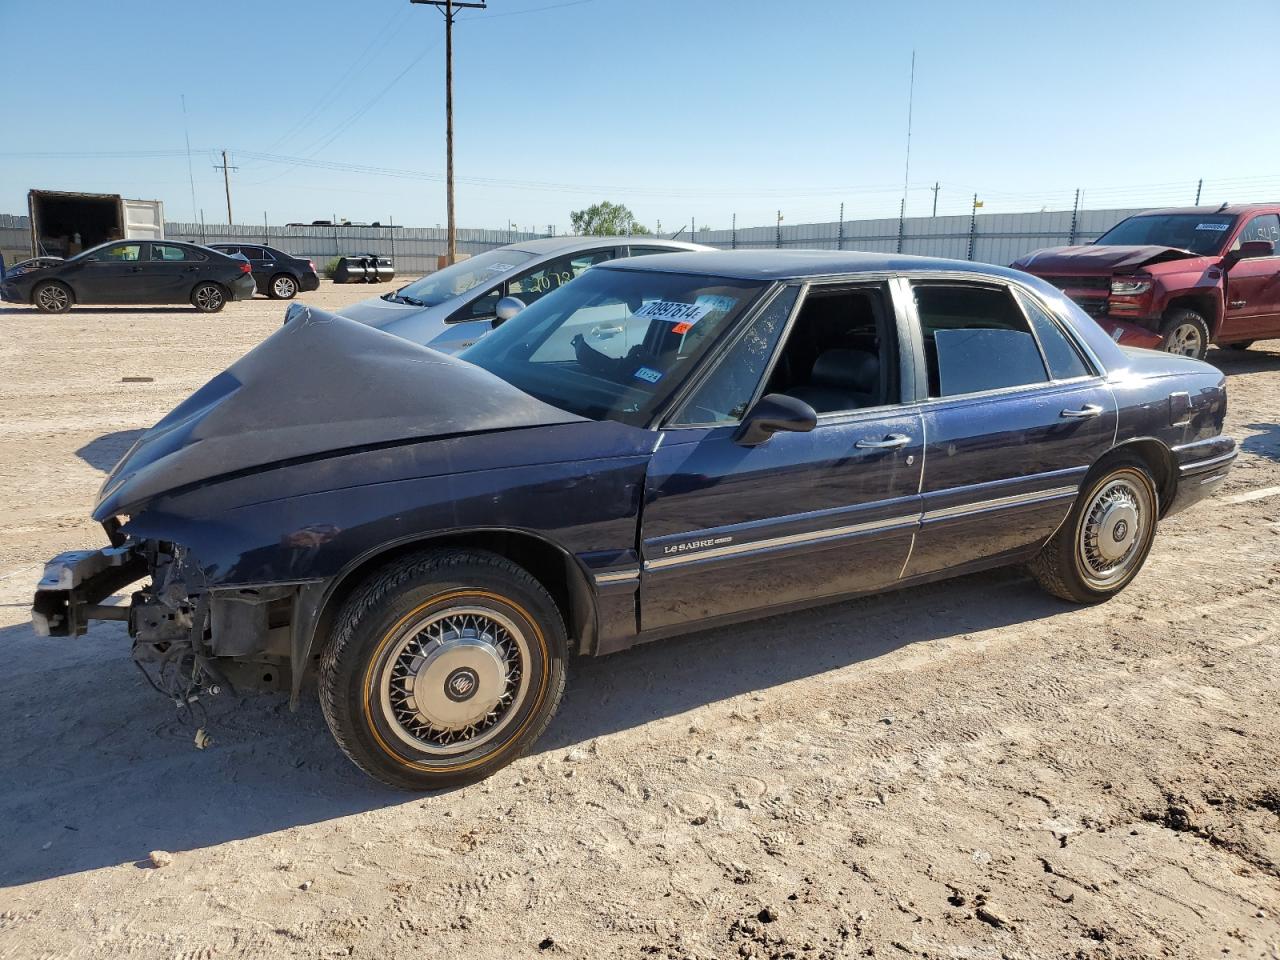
x: 967, y: 770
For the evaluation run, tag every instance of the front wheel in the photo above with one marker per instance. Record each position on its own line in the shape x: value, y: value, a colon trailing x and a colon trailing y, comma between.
x: 52, y: 297
x: 282, y: 287
x: 1185, y: 332
x: 1105, y: 539
x: 209, y: 297
x: 443, y: 668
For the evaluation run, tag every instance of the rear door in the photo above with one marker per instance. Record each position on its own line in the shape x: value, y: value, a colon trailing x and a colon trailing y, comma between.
x: 173, y: 272
x: 1015, y: 414
x: 727, y: 528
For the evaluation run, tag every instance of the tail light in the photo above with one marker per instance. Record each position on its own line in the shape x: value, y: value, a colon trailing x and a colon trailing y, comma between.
x: 246, y: 268
x: 312, y: 265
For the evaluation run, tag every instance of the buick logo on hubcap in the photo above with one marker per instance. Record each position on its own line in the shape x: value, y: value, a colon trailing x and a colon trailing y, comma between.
x: 1120, y: 531
x: 461, y: 684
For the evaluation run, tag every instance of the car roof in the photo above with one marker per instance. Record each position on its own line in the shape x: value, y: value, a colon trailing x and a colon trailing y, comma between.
x: 1232, y: 209
x: 544, y: 246
x: 799, y: 264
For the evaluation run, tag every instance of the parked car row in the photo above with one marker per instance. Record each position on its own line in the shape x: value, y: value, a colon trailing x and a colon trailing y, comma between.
x: 635, y: 448
x: 158, y: 272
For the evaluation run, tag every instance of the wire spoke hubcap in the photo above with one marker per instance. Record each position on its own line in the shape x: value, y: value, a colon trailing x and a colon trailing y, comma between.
x: 454, y: 679
x: 1112, y: 529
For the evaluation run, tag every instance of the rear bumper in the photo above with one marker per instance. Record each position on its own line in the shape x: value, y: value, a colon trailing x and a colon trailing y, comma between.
x: 308, y: 282
x: 1202, y: 467
x: 243, y: 287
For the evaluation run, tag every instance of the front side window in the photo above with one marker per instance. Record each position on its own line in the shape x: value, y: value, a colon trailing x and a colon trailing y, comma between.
x: 1265, y: 226
x: 561, y: 351
x: 461, y: 277
x: 1065, y: 362
x: 165, y: 251
x: 724, y: 395
x: 1200, y: 233
x: 975, y: 339
x: 118, y: 253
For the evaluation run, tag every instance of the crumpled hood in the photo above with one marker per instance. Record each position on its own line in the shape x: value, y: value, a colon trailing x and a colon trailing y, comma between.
x: 318, y: 385
x: 1095, y: 258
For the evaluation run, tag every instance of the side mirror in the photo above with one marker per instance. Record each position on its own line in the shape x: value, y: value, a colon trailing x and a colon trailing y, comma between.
x: 507, y: 308
x: 1249, y: 250
x: 771, y: 413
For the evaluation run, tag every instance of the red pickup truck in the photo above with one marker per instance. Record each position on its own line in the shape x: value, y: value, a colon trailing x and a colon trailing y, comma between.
x: 1178, y: 279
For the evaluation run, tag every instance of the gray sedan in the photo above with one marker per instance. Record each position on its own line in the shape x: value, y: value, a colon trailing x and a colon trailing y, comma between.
x: 452, y: 308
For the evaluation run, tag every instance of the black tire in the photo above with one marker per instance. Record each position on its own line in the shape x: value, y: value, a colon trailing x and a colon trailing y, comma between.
x: 403, y: 637
x: 1185, y: 333
x: 282, y: 287
x: 52, y: 296
x: 1076, y: 564
x: 1238, y: 345
x: 209, y: 297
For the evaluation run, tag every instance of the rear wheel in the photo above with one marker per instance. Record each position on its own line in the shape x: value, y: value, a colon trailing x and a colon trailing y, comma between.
x: 282, y: 287
x: 1185, y: 333
x: 52, y: 297
x: 209, y: 297
x: 1105, y: 539
x: 443, y: 668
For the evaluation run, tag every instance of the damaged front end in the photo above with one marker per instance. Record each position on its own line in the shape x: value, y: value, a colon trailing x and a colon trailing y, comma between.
x: 190, y: 640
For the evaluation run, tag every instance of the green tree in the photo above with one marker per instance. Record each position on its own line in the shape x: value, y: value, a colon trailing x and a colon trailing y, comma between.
x: 606, y: 219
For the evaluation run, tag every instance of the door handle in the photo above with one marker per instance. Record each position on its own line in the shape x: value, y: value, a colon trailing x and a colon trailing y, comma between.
x: 1084, y: 413
x: 891, y: 442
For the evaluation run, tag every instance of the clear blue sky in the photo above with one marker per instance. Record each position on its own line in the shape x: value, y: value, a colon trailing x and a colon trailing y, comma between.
x: 679, y: 108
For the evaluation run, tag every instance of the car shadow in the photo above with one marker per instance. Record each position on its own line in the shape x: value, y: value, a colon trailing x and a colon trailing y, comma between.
x: 99, y: 770
x: 1259, y: 357
x: 1264, y: 443
x: 104, y: 452
x: 122, y: 308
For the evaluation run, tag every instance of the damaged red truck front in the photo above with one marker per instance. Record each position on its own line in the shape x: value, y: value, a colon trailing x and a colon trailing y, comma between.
x: 1178, y: 279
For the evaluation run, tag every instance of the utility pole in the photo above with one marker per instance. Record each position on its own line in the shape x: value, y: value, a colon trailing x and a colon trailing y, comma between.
x: 226, y: 182
x: 1199, y: 187
x: 937, y: 185
x: 447, y: 7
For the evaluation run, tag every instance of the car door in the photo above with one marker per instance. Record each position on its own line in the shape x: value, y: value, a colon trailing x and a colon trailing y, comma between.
x: 728, y: 528
x: 1014, y: 412
x: 264, y: 265
x: 1253, y: 285
x: 114, y: 274
x: 173, y: 272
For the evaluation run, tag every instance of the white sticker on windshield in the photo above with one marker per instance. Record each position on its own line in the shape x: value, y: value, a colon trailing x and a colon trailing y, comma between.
x: 673, y: 311
x: 500, y: 267
x: 715, y: 303
x: 648, y: 374
x: 1212, y: 226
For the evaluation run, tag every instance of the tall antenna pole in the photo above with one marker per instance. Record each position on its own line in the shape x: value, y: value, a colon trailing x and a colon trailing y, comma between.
x: 190, y: 173
x: 448, y: 7
x: 226, y: 182
x: 911, y: 97
x: 937, y: 185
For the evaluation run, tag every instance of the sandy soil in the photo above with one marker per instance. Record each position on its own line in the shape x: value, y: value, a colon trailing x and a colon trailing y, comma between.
x: 970, y: 769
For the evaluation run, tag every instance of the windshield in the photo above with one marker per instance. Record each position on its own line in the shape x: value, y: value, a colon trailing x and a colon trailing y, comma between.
x: 613, y: 344
x: 1198, y: 232
x: 457, y: 279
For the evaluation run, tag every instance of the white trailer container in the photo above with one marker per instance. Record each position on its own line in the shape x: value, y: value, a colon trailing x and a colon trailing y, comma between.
x: 63, y: 223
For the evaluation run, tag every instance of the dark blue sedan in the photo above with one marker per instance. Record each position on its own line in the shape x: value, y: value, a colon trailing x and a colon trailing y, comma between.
x: 667, y: 443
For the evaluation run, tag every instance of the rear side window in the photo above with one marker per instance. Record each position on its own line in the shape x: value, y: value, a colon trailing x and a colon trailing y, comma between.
x: 1064, y: 359
x: 165, y: 251
x: 976, y: 339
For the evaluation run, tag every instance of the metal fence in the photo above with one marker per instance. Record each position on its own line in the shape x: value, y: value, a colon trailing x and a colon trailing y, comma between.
x: 990, y: 238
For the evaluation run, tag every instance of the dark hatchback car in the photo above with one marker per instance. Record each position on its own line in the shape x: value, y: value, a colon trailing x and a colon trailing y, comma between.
x: 281, y: 276
x: 132, y: 271
x: 432, y: 536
